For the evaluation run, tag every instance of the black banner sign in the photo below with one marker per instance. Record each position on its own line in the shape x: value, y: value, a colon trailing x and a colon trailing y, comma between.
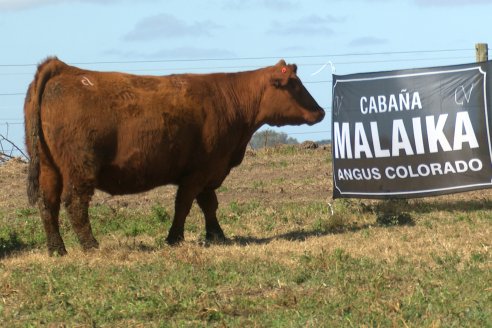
x: 411, y: 133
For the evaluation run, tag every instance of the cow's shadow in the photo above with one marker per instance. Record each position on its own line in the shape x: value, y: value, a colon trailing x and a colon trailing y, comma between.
x: 296, y: 235
x: 452, y: 206
x: 12, y: 244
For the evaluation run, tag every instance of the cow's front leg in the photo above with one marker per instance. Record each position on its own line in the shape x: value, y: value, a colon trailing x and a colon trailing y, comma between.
x: 184, y: 199
x: 207, y: 200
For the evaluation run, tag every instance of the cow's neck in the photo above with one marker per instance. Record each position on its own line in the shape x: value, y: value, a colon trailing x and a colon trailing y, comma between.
x: 240, y: 102
x: 242, y: 93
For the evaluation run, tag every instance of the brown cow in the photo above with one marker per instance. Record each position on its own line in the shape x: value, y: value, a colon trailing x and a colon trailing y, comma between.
x: 123, y: 134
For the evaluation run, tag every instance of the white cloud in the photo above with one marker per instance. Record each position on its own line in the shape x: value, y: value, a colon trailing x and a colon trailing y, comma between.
x: 444, y: 3
x: 24, y: 4
x: 28, y: 4
x: 193, y: 53
x: 169, y: 26
x: 309, y: 25
x: 367, y: 41
x: 277, y: 5
x: 186, y: 52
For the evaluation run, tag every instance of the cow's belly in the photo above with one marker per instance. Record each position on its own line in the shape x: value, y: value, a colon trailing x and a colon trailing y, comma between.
x: 135, y: 170
x: 135, y: 177
x: 146, y: 157
x: 119, y: 181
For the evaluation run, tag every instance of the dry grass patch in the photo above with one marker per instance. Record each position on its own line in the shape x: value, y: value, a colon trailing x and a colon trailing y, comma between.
x: 290, y: 262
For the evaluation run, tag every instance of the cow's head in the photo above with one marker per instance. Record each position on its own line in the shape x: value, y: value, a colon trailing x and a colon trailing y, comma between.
x: 286, y: 101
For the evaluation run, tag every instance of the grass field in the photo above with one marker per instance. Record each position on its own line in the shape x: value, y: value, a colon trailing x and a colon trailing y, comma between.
x: 290, y: 262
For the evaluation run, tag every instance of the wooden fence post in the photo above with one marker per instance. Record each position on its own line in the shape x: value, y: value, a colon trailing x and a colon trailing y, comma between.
x: 481, y: 52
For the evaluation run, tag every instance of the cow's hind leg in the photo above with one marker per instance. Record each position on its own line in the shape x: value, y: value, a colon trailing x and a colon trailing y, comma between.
x: 184, y: 200
x: 207, y: 200
x: 77, y: 204
x: 50, y: 185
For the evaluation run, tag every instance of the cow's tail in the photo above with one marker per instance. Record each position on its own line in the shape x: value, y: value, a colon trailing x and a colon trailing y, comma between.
x: 32, y: 118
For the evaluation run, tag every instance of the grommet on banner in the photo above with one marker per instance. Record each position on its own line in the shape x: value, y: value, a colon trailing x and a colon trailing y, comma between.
x: 333, y: 69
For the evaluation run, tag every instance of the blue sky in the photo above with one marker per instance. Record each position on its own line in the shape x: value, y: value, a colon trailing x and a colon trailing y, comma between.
x: 176, y: 36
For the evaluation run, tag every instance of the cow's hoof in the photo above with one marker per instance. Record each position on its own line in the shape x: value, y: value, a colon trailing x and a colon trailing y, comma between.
x: 174, y: 240
x: 57, y: 250
x: 216, y: 238
x: 90, y: 245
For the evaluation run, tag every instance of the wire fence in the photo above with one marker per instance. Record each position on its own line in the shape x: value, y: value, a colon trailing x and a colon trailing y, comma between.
x: 9, y: 148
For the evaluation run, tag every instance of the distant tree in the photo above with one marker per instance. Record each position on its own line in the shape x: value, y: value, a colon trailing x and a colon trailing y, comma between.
x: 324, y: 142
x: 269, y: 138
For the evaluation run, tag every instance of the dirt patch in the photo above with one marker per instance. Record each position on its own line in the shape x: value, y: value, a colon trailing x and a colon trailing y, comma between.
x: 13, y: 175
x: 274, y: 175
x: 271, y: 175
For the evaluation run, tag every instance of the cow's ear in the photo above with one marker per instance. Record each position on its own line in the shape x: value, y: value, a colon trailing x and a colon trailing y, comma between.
x: 280, y: 76
x: 281, y: 63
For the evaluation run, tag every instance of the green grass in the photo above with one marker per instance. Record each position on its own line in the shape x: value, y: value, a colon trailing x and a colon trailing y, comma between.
x: 328, y: 288
x: 20, y: 232
x: 290, y: 261
x: 190, y: 286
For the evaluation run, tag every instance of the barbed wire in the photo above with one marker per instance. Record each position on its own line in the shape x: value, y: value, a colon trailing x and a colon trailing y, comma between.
x: 327, y: 56
x: 351, y: 58
x: 13, y: 94
x: 214, y: 68
x: 8, y: 123
x: 176, y: 60
x: 313, y: 132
